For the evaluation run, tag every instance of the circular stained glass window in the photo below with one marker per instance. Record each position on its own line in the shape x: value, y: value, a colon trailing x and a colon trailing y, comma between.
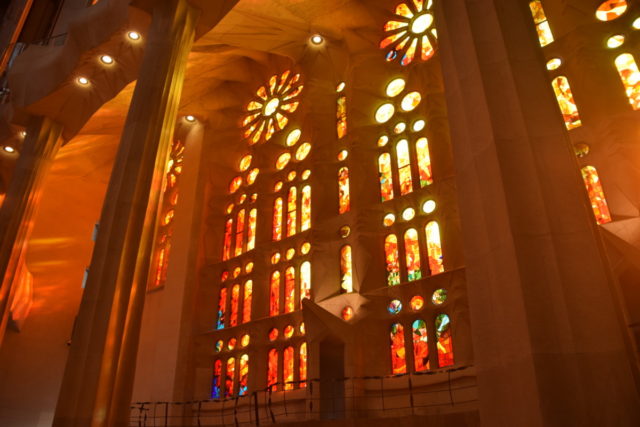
x: 611, y: 9
x: 290, y: 253
x: 219, y: 345
x: 231, y: 344
x: 410, y: 101
x: 291, y: 176
x: 230, y: 207
x: 417, y: 303
x: 305, y: 248
x: 408, y: 214
x: 236, y: 272
x: 306, y: 174
x: 303, y: 151
x: 245, y: 162
x: 554, y: 64
x: 439, y: 297
x: 249, y: 267
x: 342, y: 155
x: 385, y: 112
x: 244, y: 341
x: 418, y: 125
x: 429, y: 206
x: 283, y: 161
x: 273, y: 334
x: 399, y: 128
x: 383, y: 140
x: 347, y: 313
x: 288, y: 331
x: 395, y: 87
x: 293, y: 137
x: 275, y: 258
x: 278, y: 186
x: 251, y: 177
x: 224, y: 276
x: 389, y: 220
x: 615, y: 41
x: 395, y: 306
x: 235, y: 184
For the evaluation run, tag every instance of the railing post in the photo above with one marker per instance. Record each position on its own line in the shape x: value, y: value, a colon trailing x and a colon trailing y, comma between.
x: 410, y: 393
x: 198, y: 413
x: 256, y: 410
x: 166, y: 414
x: 273, y: 417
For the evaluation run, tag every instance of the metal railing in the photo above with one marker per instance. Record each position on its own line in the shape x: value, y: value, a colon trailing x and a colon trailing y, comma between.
x: 421, y: 393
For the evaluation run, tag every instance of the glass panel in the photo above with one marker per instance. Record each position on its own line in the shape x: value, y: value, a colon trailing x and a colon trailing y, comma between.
x: 445, y: 344
x: 306, y: 208
x: 277, y: 219
x: 611, y: 9
x: 404, y: 167
x: 246, y: 304
x: 230, y: 377
x: 346, y: 270
x: 412, y: 249
x: 343, y: 190
x: 289, y: 290
x: 434, y: 248
x: 222, y: 304
x: 341, y: 116
x: 303, y: 364
x: 251, y: 232
x: 243, y: 380
x: 292, y: 200
x: 239, y: 232
x: 305, y: 281
x: 228, y: 230
x: 565, y: 101
x: 272, y: 369
x: 420, y: 346
x: 424, y: 162
x: 274, y: 294
x: 398, y: 354
x: 288, y: 368
x: 542, y: 25
x: 386, y: 179
x: 596, y: 195
x: 393, y: 259
x: 217, y: 373
x: 630, y: 76
x: 235, y: 302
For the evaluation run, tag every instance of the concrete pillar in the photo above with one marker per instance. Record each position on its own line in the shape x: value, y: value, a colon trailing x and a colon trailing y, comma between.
x: 38, y: 150
x: 98, y: 380
x: 547, y: 337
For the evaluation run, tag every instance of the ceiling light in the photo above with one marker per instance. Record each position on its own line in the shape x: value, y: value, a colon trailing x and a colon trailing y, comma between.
x: 9, y: 149
x: 134, y: 35
x: 106, y: 59
x: 23, y: 133
x: 190, y: 118
x: 317, y: 39
x: 82, y: 81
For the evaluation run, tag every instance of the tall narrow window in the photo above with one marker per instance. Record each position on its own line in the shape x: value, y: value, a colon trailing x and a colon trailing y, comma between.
x: 404, y: 167
x: 274, y: 294
x: 243, y: 375
x: 228, y: 232
x: 346, y: 269
x: 343, y: 190
x: 630, y: 76
x: 305, y: 281
x: 277, y: 219
x: 565, y: 101
x: 289, y: 290
x: 239, y: 232
x: 272, y: 369
x: 292, y: 216
x: 305, y: 220
x: 386, y: 179
x: 246, y: 301
x: 217, y: 374
x: 230, y: 377
x: 251, y: 229
x: 420, y: 346
x: 341, y: 116
x: 434, y: 247
x: 412, y: 249
x: 424, y: 162
x: 596, y: 195
x: 235, y: 303
x: 393, y: 259
x: 222, y: 308
x: 542, y: 25
x: 303, y: 364
x: 288, y: 368
x: 398, y: 352
x: 445, y: 344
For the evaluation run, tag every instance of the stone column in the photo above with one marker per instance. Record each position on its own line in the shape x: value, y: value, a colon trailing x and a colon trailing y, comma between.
x: 38, y: 150
x: 98, y: 380
x: 548, y: 344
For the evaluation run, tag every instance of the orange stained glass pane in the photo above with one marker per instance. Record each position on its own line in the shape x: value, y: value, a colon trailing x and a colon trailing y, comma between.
x: 596, y: 194
x: 292, y: 216
x: 236, y: 272
x: 426, y: 48
x: 277, y: 219
x: 245, y: 162
x: 281, y: 119
x: 303, y: 364
x: 347, y: 313
x: 224, y: 276
x: 217, y: 374
x: 235, y: 302
x: 424, y: 162
x: 434, y: 248
x: 243, y: 377
x: 410, y: 53
x: 392, y: 259
x: 305, y: 220
x: 251, y: 229
x: 228, y: 231
x: 252, y: 175
x: 398, y: 352
x: 239, y: 232
x: 303, y: 151
x: 386, y: 179
x: 288, y: 368
x: 246, y: 302
x: 341, y: 115
x: 445, y: 341
x: 542, y: 25
x: 417, y: 303
x: 346, y: 270
x: 273, y: 334
x: 305, y: 281
x: 404, y: 167
x: 565, y: 101
x: 412, y: 249
x: 283, y: 161
x: 230, y: 377
x: 272, y: 369
x: 235, y: 184
x: 611, y: 9
x: 630, y: 75
x: 411, y: 101
x: 274, y: 294
x: 289, y: 290
x: 343, y: 190
x: 420, y: 346
x: 288, y: 331
x: 222, y: 308
x: 291, y: 176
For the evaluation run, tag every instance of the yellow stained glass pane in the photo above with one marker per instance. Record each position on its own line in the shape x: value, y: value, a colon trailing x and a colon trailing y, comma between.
x: 565, y: 101
x: 253, y: 174
x: 410, y: 101
x: 283, y: 161
x: 303, y: 151
x: 615, y: 41
x: 346, y: 270
x: 554, y: 64
x: 385, y: 112
x: 305, y: 222
x: 293, y: 137
x: 389, y: 220
x: 235, y: 184
x: 596, y: 195
x: 611, y: 9
x: 395, y: 87
x: 630, y: 76
x: 434, y: 248
x: 245, y: 162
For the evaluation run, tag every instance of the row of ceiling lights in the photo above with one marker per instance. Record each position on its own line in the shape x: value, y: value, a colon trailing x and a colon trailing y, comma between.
x: 108, y: 59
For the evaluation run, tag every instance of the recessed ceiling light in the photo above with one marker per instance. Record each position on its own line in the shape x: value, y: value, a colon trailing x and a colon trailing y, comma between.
x: 134, y: 35
x: 106, y: 59
x: 317, y: 39
x: 82, y: 81
x: 190, y: 118
x: 23, y: 133
x: 8, y: 149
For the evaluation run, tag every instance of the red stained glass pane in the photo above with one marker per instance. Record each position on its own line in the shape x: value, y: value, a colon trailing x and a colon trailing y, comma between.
x: 289, y: 290
x: 424, y: 162
x: 288, y: 368
x: 342, y: 117
x: 445, y: 344
x: 251, y: 231
x: 217, y: 374
x: 303, y: 364
x: 412, y: 249
x: 596, y: 195
x: 246, y: 304
x: 277, y: 219
x: 243, y: 380
x: 420, y: 346
x: 230, y: 377
x: 565, y: 101
x: 343, y: 190
x: 235, y: 301
x: 398, y: 352
x: 272, y: 369
x: 346, y: 270
x: 404, y: 167
x: 305, y: 281
x: 222, y: 304
x: 239, y: 232
x: 306, y: 208
x: 386, y: 179
x: 228, y: 231
x: 274, y: 294
x: 434, y: 248
x: 292, y: 216
x: 393, y: 259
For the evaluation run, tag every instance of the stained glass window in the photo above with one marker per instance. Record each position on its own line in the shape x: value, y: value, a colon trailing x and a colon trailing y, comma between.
x: 411, y: 30
x: 434, y: 247
x: 424, y: 162
x: 404, y: 167
x: 251, y: 231
x: 292, y: 201
x: 305, y: 221
x: 274, y: 294
x: 235, y: 302
x: 289, y: 290
x: 305, y: 281
x: 398, y: 352
x: 229, y: 377
x: 596, y: 195
x: 386, y: 179
x: 243, y: 377
x: 412, y: 249
x: 239, y: 232
x: 611, y: 9
x: 445, y: 344
x: 630, y: 75
x: 303, y: 364
x: 222, y: 304
x: 343, y: 190
x: 565, y: 101
x: 346, y: 269
x: 228, y: 231
x: 342, y: 117
x: 420, y: 346
x: 272, y: 369
x: 246, y: 303
x: 217, y: 374
x: 393, y: 259
x: 288, y: 368
x: 277, y: 219
x: 542, y: 25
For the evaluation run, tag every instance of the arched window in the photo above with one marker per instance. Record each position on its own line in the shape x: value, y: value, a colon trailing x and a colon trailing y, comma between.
x: 398, y: 352
x: 305, y: 222
x: 303, y: 364
x: 343, y: 190
x: 305, y: 281
x: 565, y: 101
x: 251, y: 232
x: 341, y: 116
x: 292, y: 216
x: 274, y: 294
x: 542, y: 25
x: 272, y: 369
x: 630, y: 76
x: 346, y: 270
x: 222, y: 304
x: 239, y: 232
x: 235, y: 302
x: 445, y: 344
x: 288, y: 368
x: 386, y: 179
x: 420, y: 346
x: 217, y: 374
x: 404, y: 167
x: 230, y: 377
x: 289, y: 290
x: 393, y: 259
x: 424, y: 162
x: 228, y: 231
x: 243, y: 380
x: 412, y: 250
x: 277, y: 219
x: 246, y: 303
x: 596, y: 195
x: 434, y: 247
